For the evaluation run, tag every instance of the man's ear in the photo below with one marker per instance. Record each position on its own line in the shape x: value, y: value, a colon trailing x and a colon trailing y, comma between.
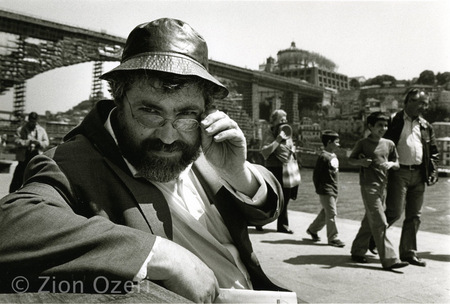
x: 119, y: 102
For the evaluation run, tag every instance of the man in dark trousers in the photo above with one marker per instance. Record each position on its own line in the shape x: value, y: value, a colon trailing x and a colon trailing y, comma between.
x: 418, y: 157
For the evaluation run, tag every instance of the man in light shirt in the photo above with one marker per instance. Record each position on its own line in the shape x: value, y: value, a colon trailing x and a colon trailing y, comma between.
x: 418, y: 157
x: 153, y: 185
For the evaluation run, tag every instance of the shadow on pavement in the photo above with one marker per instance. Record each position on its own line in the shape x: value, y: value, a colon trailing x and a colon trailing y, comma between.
x: 331, y: 261
x: 436, y: 257
x: 296, y: 242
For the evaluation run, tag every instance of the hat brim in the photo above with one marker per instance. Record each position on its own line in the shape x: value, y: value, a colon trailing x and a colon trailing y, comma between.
x: 170, y: 63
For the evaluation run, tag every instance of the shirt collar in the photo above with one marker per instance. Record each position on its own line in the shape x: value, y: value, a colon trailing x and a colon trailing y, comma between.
x: 407, y: 117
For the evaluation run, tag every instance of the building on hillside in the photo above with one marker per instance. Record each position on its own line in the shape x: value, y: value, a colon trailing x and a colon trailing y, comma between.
x: 349, y: 102
x: 309, y: 133
x: 443, y: 100
x: 372, y: 105
x: 443, y: 144
x: 334, y: 111
x: 441, y: 129
x: 391, y: 97
x: 292, y: 62
x: 344, y: 126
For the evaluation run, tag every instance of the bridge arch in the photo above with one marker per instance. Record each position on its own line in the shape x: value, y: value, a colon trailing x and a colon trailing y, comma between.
x: 40, y: 45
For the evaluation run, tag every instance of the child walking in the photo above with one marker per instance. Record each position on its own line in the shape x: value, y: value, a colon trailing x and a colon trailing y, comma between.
x: 375, y: 155
x: 325, y: 178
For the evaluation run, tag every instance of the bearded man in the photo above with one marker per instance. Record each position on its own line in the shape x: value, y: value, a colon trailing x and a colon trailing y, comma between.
x: 153, y: 185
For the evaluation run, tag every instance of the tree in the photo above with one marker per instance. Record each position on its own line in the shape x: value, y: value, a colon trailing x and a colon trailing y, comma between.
x: 443, y: 79
x: 426, y: 77
x: 379, y: 80
x: 437, y: 113
x: 354, y: 84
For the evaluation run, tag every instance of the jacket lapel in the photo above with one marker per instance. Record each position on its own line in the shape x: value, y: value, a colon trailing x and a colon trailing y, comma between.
x: 221, y: 198
x: 152, y: 206
x: 150, y: 202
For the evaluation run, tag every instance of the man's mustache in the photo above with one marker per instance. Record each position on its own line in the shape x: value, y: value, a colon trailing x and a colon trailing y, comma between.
x: 158, y: 145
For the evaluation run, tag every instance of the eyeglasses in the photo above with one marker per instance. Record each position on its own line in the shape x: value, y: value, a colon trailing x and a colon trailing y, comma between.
x: 150, y: 120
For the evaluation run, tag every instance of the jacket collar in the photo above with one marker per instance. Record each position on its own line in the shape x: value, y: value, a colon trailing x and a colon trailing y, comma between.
x: 93, y: 128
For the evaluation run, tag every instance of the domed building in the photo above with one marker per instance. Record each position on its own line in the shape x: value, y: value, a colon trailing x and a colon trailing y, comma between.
x: 308, y: 66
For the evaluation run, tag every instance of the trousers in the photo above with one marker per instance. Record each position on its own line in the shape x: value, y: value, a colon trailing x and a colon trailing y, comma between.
x: 326, y: 216
x: 405, y: 192
x: 374, y: 224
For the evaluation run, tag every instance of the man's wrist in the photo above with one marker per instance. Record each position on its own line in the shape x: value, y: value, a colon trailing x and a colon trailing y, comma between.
x: 243, y: 181
x: 142, y: 273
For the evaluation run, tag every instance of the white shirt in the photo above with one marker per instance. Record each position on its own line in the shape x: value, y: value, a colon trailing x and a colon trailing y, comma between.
x: 409, y: 146
x: 191, y: 210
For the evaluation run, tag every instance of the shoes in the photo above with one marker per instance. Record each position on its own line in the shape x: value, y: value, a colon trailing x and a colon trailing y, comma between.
x: 397, y: 265
x: 288, y: 231
x: 372, y: 246
x: 336, y: 243
x: 259, y: 228
x: 314, y: 236
x: 415, y: 261
x: 359, y: 259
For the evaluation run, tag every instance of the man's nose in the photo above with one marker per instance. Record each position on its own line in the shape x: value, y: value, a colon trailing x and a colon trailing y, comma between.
x: 167, y: 133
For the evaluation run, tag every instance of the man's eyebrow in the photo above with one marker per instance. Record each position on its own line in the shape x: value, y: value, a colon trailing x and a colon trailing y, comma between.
x: 144, y: 104
x: 188, y: 107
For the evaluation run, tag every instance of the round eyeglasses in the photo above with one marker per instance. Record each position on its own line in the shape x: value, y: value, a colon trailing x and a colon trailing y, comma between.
x: 150, y: 120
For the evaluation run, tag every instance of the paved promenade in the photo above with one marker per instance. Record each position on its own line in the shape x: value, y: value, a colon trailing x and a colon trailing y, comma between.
x: 319, y: 273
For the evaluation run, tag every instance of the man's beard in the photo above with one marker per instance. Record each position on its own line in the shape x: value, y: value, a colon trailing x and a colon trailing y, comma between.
x: 155, y: 168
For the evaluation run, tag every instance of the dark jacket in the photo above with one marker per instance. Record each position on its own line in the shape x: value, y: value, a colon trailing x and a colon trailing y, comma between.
x: 430, y: 151
x: 81, y: 214
x: 326, y: 173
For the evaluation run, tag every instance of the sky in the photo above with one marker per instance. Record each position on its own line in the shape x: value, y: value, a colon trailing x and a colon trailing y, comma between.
x: 364, y: 38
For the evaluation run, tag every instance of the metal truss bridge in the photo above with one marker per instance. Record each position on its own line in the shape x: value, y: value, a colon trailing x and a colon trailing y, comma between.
x: 30, y: 46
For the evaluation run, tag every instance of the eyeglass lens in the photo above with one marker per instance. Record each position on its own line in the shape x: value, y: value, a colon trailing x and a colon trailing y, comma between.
x: 155, y: 121
x: 150, y: 120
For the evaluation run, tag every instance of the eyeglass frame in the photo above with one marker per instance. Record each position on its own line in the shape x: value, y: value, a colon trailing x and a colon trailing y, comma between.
x: 163, y: 120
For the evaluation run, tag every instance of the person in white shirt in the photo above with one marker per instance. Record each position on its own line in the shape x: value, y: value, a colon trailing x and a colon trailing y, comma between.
x: 418, y: 157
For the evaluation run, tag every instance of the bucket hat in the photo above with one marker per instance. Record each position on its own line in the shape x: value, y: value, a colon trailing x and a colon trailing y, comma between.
x: 167, y: 45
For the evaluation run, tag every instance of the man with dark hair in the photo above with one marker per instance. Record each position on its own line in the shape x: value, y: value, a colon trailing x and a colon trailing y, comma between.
x: 153, y: 185
x: 418, y: 157
x: 31, y: 140
x: 375, y: 155
x: 325, y: 178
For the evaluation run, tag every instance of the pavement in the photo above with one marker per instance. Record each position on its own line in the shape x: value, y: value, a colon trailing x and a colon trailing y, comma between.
x: 320, y: 273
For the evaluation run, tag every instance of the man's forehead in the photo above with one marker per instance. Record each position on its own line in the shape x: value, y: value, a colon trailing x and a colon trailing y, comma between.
x: 381, y: 122
x: 183, y: 98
